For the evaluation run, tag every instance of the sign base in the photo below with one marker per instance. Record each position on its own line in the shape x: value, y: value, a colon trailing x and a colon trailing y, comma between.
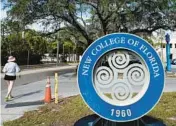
x: 94, y: 120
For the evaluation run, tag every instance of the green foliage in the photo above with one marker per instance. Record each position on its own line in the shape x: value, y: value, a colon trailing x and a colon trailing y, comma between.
x: 33, y: 42
x: 84, y: 20
x: 105, y: 16
x: 14, y: 44
x: 149, y: 40
x: 36, y: 43
x: 8, y: 26
x: 68, y: 46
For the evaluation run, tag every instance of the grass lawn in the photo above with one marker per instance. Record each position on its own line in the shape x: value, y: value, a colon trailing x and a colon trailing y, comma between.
x: 71, y: 109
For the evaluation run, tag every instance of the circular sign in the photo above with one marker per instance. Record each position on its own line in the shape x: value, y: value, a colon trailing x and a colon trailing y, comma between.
x: 121, y: 77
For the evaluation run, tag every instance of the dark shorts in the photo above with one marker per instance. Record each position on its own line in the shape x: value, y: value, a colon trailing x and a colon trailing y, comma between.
x: 7, y: 77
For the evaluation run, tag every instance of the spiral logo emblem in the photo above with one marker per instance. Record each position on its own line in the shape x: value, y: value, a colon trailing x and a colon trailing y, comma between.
x: 104, y: 77
x: 135, y: 74
x: 119, y: 60
x: 121, y: 91
x: 120, y: 79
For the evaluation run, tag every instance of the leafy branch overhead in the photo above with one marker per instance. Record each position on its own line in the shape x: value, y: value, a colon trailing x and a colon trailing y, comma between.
x: 94, y: 18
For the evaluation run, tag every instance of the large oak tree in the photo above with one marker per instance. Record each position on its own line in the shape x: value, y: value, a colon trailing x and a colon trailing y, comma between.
x: 94, y: 18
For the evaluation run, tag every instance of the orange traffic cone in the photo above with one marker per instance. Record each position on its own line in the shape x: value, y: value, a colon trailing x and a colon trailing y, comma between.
x: 48, y: 91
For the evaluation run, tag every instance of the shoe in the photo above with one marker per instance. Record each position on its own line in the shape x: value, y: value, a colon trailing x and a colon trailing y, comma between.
x: 10, y: 97
x: 7, y: 99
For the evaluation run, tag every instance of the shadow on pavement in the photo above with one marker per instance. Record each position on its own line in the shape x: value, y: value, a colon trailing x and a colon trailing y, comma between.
x: 27, y: 94
x: 22, y: 104
x: 144, y: 121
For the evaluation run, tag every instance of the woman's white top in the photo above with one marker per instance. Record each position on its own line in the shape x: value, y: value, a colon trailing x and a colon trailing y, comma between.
x: 11, y: 68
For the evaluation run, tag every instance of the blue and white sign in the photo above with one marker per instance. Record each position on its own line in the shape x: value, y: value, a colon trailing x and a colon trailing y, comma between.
x: 121, y: 77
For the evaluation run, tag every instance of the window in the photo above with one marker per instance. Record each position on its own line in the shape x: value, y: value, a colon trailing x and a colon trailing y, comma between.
x: 164, y: 45
x: 170, y: 45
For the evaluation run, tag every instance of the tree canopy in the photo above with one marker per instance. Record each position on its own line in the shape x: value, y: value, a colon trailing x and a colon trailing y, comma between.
x: 94, y: 18
x: 14, y: 43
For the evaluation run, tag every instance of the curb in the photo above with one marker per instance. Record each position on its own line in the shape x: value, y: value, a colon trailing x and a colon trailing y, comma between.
x: 170, y: 74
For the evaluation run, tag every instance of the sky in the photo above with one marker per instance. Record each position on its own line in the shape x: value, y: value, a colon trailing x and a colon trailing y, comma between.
x: 3, y: 15
x: 3, y: 12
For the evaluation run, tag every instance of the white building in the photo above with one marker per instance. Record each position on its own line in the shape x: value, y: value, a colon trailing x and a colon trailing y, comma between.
x: 159, y: 37
x: 173, y: 45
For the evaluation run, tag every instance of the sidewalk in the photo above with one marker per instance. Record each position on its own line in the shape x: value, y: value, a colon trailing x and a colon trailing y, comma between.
x: 29, y: 76
x: 29, y: 97
x: 51, y: 68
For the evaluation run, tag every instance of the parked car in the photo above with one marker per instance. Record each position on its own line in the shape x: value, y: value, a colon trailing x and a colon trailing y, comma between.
x: 174, y: 62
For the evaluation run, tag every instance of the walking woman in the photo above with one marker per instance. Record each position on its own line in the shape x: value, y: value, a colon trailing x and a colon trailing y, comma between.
x: 10, y: 69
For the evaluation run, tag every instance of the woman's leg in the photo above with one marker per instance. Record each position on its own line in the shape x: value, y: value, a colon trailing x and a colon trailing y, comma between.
x: 10, y: 87
x: 8, y: 83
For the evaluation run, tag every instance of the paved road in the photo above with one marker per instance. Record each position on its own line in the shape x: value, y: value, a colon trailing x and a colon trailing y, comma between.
x: 173, y: 68
x: 29, y: 76
x: 170, y: 85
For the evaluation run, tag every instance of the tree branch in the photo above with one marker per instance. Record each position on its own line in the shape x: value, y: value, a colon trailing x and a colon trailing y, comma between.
x: 53, y: 32
x: 149, y: 30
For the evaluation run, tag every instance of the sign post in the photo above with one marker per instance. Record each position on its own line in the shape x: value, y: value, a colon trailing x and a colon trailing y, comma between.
x: 56, y: 89
x: 121, y: 77
x: 168, y: 67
